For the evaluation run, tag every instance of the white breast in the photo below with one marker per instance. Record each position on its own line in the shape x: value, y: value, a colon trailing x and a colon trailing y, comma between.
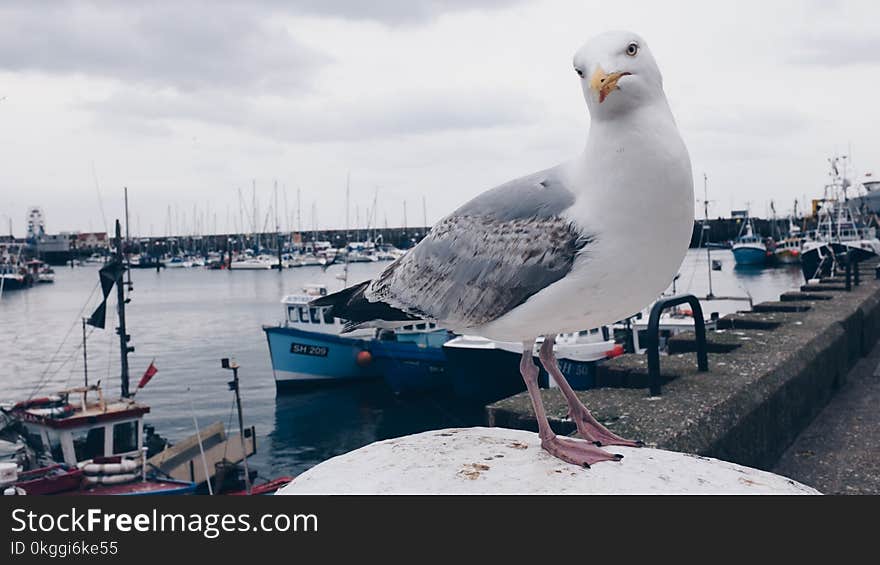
x: 636, y: 195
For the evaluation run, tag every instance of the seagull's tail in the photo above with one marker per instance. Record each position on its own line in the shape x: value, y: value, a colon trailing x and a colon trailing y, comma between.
x: 351, y: 305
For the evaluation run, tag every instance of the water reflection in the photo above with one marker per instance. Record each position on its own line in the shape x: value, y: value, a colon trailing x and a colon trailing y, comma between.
x: 315, y: 425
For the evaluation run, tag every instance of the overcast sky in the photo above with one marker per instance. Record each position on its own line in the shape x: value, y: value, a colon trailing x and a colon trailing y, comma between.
x: 188, y: 102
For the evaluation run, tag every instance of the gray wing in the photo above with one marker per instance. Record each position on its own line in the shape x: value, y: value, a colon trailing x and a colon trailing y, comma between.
x: 487, y: 257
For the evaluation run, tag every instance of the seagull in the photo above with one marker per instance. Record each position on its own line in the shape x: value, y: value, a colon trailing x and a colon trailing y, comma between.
x: 580, y: 245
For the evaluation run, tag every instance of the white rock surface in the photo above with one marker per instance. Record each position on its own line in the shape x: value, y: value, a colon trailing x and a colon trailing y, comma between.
x: 503, y: 461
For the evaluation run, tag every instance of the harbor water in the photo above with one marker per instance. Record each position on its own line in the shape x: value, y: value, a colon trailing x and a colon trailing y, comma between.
x: 188, y: 319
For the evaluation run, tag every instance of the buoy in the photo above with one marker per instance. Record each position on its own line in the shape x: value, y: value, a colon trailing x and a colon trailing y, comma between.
x: 615, y: 351
x: 364, y: 358
x: 124, y: 466
x: 110, y: 479
x: 61, y: 411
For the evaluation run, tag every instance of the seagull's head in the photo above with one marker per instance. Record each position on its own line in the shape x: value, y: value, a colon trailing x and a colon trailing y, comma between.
x: 617, y: 73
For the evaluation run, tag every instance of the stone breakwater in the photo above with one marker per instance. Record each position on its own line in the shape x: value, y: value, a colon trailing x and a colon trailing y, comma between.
x: 771, y: 371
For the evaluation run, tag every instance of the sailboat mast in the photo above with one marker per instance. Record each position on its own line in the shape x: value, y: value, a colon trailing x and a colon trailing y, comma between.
x: 124, y: 348
x: 85, y: 355
x: 277, y: 229
x: 127, y: 238
x: 706, y: 231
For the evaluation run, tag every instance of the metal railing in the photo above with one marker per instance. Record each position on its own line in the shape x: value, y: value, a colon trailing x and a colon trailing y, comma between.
x: 653, y: 337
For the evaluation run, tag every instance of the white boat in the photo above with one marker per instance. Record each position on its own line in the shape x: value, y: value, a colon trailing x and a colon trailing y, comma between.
x: 178, y: 263
x: 96, y: 258
x: 46, y: 275
x: 361, y: 252
x: 310, y: 260
x: 252, y: 264
x: 672, y: 322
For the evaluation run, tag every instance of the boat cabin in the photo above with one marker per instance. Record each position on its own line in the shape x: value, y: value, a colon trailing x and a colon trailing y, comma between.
x: 74, y: 426
x: 299, y: 315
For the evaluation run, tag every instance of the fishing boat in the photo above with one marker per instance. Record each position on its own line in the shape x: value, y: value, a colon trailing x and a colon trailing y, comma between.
x: 39, y: 271
x: 411, y: 358
x: 14, y: 277
x: 308, y: 349
x: 81, y: 433
x: 748, y: 248
x: 788, y: 244
x: 788, y: 250
x: 482, y: 370
x: 96, y: 440
x: 840, y: 231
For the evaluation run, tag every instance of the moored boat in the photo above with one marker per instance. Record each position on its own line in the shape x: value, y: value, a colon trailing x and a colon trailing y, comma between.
x: 482, y: 370
x: 308, y: 349
x: 840, y: 232
x: 748, y: 248
x: 411, y: 358
x: 95, y: 445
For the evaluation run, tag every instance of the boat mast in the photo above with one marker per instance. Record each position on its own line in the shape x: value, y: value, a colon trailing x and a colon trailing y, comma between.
x: 127, y: 238
x: 234, y: 387
x: 85, y: 355
x: 124, y: 348
x: 705, y: 230
x: 277, y: 228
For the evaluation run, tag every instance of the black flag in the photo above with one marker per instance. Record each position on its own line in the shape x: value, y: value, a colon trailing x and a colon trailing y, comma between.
x: 109, y: 274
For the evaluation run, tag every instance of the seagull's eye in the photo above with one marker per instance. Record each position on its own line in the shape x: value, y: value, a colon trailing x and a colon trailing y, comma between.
x: 632, y: 49
x: 579, y: 72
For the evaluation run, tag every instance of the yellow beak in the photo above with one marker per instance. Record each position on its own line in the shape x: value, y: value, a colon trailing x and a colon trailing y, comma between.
x: 603, y: 83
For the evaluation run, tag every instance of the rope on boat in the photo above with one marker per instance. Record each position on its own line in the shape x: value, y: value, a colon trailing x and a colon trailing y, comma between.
x: 43, y: 378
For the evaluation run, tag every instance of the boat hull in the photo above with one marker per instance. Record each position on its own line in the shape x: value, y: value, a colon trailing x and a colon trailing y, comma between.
x: 12, y: 282
x: 818, y: 261
x: 413, y: 367
x: 748, y: 255
x: 303, y: 359
x: 788, y: 256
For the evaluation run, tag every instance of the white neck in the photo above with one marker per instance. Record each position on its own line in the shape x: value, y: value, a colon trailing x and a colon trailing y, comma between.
x: 638, y: 157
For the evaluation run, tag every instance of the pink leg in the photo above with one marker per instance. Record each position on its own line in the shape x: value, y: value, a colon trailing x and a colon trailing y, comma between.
x: 569, y: 450
x: 588, y: 427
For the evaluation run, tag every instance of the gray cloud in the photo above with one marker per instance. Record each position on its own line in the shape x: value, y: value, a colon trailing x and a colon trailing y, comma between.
x: 400, y: 114
x: 184, y: 45
x: 189, y: 44
x: 393, y: 11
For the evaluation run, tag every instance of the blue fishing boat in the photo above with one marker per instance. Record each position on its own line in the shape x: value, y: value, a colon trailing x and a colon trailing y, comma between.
x: 411, y: 358
x: 749, y: 249
x: 308, y: 349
